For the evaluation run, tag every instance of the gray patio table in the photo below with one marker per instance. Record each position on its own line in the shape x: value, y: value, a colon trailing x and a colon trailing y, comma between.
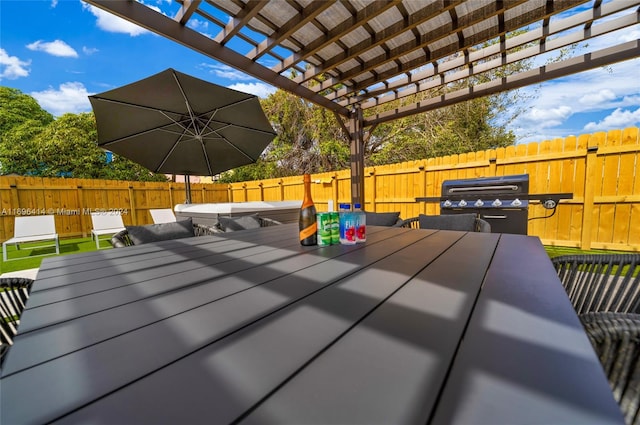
x: 414, y: 326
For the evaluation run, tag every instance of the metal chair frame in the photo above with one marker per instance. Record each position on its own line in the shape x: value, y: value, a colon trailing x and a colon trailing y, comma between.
x: 601, y: 282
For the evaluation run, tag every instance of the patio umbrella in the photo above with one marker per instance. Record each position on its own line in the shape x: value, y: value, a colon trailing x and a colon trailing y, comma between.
x: 174, y: 123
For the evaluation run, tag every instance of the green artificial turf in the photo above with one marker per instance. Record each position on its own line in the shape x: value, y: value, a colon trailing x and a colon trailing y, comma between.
x: 28, y: 257
x: 555, y: 251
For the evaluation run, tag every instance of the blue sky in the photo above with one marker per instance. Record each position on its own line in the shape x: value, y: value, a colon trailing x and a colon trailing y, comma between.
x: 61, y: 51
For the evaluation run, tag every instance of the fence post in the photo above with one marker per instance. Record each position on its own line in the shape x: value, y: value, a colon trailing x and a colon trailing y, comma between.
x: 134, y: 219
x: 374, y: 193
x: 15, y: 199
x: 422, y: 190
x: 82, y: 211
x: 261, y: 185
x: 281, y: 183
x: 589, y: 177
x: 492, y: 166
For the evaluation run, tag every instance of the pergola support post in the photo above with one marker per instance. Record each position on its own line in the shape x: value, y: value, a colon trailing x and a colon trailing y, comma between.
x: 356, y: 135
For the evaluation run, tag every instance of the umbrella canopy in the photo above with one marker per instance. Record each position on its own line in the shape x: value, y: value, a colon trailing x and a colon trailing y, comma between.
x: 174, y: 123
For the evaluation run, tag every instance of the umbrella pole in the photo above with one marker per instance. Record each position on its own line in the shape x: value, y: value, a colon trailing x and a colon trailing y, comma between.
x: 187, y: 186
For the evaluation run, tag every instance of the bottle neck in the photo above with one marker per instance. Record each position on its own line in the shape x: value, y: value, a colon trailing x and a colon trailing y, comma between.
x: 307, y: 200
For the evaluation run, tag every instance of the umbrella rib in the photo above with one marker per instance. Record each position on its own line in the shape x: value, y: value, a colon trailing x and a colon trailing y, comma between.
x: 121, y: 139
x: 197, y: 129
x: 166, y: 157
x: 192, y: 116
x: 135, y: 105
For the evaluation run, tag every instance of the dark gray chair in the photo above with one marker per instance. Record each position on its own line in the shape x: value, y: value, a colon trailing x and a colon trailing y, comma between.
x: 389, y: 219
x: 14, y: 293
x: 616, y: 340
x: 123, y: 238
x: 461, y: 222
x: 245, y: 222
x: 601, y: 282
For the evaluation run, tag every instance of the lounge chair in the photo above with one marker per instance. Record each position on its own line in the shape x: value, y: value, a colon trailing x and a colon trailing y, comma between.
x: 108, y: 223
x: 34, y: 228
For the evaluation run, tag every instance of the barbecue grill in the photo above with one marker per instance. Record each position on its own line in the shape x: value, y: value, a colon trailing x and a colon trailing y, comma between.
x: 503, y: 201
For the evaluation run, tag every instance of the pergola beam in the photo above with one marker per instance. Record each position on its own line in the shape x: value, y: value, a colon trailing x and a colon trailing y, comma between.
x: 584, y: 18
x: 608, y: 56
x: 429, y: 82
x: 151, y: 20
x: 250, y: 10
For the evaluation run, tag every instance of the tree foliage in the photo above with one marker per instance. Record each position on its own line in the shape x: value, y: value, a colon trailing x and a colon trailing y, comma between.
x: 16, y: 108
x: 38, y: 145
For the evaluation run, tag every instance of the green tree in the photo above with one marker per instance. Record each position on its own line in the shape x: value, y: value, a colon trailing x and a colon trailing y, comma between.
x: 68, y: 147
x: 16, y: 108
x: 34, y: 143
x: 309, y: 140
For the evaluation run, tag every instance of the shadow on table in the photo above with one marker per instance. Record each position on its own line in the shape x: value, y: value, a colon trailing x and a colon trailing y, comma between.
x: 204, y: 299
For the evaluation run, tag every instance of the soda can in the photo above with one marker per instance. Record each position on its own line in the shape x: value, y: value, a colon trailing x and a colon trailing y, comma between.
x: 325, y: 226
x: 335, y: 228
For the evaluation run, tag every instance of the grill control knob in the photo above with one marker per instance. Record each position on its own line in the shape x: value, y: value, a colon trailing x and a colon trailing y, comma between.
x: 496, y: 203
x: 516, y: 202
x: 479, y: 203
x: 462, y: 203
x: 446, y: 203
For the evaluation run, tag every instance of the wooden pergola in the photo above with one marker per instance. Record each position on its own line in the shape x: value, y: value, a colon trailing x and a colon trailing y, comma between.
x: 353, y: 55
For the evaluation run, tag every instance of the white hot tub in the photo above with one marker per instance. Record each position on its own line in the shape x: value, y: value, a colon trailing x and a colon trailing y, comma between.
x: 283, y: 211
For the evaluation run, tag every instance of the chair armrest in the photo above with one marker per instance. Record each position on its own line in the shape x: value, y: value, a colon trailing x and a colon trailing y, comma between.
x: 616, y: 340
x: 601, y: 282
x: 203, y: 230
x: 398, y: 223
x: 265, y: 222
x: 121, y: 239
x: 410, y: 223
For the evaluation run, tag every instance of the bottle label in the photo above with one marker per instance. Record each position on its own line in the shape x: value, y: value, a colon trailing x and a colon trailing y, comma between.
x: 308, y: 231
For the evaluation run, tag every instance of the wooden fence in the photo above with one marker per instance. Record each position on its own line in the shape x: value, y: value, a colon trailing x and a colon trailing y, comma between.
x: 600, y: 169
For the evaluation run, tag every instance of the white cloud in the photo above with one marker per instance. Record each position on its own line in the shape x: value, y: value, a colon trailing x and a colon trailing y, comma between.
x: 596, y: 92
x: 89, y: 50
x: 633, y: 100
x: 69, y: 97
x: 198, y: 24
x: 111, y: 23
x: 549, y: 117
x: 617, y: 119
x: 54, y: 48
x: 596, y: 98
x: 259, y: 89
x: 11, y: 67
x: 224, y: 71
x: 631, y: 35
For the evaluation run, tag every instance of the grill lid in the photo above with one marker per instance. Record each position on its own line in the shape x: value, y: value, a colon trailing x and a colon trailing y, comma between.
x: 487, y: 192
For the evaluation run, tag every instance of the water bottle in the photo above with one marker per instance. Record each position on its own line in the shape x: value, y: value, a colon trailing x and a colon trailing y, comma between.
x: 347, y: 225
x: 361, y: 223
